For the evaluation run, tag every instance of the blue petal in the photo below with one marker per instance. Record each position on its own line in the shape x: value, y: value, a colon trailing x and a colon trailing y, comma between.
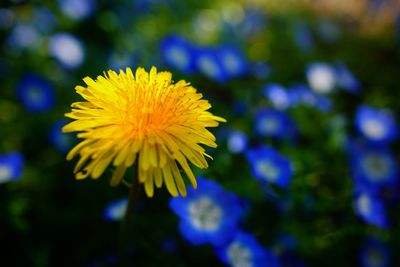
x: 371, y: 209
x: 256, y: 255
x: 228, y: 203
x: 35, y: 93
x: 208, y: 63
x: 279, y: 170
x: 376, y: 125
x: 11, y: 166
x: 375, y: 253
x: 178, y: 53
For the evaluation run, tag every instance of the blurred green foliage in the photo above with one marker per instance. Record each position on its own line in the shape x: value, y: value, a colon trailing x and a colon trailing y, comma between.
x: 49, y: 219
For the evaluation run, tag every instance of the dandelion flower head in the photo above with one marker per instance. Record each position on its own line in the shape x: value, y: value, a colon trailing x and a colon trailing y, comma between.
x: 143, y: 118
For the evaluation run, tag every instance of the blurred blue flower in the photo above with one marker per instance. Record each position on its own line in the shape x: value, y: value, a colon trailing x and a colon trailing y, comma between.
x: 144, y: 6
x: 268, y: 165
x: 208, y: 63
x: 261, y: 70
x: 7, y: 17
x: 371, y: 209
x: 115, y: 210
x: 323, y: 104
x: 273, y: 123
x: 301, y: 95
x: 240, y: 108
x: 221, y: 63
x: 24, y: 36
x: 67, y: 49
x: 286, y: 242
x: 278, y: 95
x: 373, y: 166
x: 377, y: 5
x: 178, y: 53
x: 254, y: 22
x: 61, y: 141
x: 328, y: 31
x: 237, y: 141
x: 44, y: 20
x: 321, y: 77
x: 374, y: 254
x: 35, y: 93
x: 244, y: 250
x: 11, y: 166
x: 376, y: 125
x: 207, y: 215
x: 77, y: 9
x: 346, y: 79
x: 233, y: 61
x: 303, y: 37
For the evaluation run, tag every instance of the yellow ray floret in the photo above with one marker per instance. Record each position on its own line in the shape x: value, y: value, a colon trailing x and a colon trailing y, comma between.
x: 144, y: 119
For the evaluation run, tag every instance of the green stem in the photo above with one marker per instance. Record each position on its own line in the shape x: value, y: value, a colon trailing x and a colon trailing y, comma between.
x: 127, y: 221
x: 133, y: 197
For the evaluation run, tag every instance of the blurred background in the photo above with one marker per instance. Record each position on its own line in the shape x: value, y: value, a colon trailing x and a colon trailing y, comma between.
x: 309, y: 155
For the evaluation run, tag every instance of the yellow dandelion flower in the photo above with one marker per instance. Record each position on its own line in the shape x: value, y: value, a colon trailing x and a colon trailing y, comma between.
x: 144, y: 119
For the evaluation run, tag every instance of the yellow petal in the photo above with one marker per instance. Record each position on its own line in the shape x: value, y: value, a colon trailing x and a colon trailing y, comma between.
x: 178, y: 178
x: 149, y: 187
x: 158, y: 179
x: 169, y: 181
x: 118, y: 175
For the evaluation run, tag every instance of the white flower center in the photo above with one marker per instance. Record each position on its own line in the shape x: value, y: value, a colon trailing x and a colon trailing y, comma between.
x: 267, y: 169
x: 35, y: 95
x: 25, y: 36
x: 373, y: 128
x: 375, y: 258
x: 117, y: 210
x: 76, y: 9
x: 239, y: 255
x: 236, y: 143
x: 208, y: 66
x: 205, y: 214
x: 178, y: 56
x: 364, y: 204
x: 67, y: 49
x: 321, y: 80
x: 279, y: 97
x: 376, y: 166
x: 231, y: 63
x: 5, y: 173
x: 268, y: 125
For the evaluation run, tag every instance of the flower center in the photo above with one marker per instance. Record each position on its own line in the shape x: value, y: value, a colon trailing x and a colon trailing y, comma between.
x: 117, y: 210
x: 375, y: 258
x: 373, y: 128
x: 231, y: 63
x: 376, y: 166
x: 239, y: 255
x: 35, y: 95
x: 322, y: 80
x: 364, y: 204
x: 267, y: 169
x: 5, y: 173
x: 209, y: 67
x: 237, y: 142
x: 178, y: 56
x: 205, y: 214
x: 153, y: 115
x: 268, y: 125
